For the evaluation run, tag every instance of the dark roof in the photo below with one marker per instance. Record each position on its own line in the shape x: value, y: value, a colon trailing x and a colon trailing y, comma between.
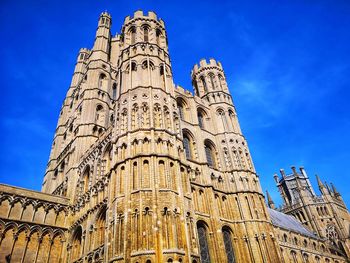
x: 288, y: 222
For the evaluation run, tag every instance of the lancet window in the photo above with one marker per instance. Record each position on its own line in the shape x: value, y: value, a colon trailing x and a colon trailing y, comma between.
x: 203, y: 242
x: 228, y: 245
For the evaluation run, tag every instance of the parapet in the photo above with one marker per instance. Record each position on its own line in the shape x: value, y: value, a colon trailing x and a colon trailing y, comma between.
x: 105, y: 13
x: 203, y: 63
x: 84, y: 50
x: 139, y: 14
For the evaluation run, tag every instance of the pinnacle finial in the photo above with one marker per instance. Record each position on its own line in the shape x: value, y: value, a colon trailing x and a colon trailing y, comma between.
x: 283, y: 173
x: 319, y: 182
x: 270, y: 202
x: 336, y: 193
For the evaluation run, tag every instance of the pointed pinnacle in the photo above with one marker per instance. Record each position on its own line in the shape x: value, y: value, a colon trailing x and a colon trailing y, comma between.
x: 336, y: 193
x: 319, y: 182
x: 270, y: 202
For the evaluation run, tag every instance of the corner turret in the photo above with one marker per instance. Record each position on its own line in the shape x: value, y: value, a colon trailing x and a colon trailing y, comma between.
x: 208, y: 77
x: 103, y: 37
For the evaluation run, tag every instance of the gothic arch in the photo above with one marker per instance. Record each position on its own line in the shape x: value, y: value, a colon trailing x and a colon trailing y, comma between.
x: 182, y: 106
x: 210, y: 153
x: 203, y: 238
x: 100, y: 226
x: 189, y: 144
x: 85, y: 178
x: 76, y: 243
x: 228, y: 244
x: 202, y: 115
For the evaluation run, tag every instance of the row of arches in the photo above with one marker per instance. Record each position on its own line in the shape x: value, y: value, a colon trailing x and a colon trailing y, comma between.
x: 204, y: 244
x: 102, y: 163
x: 209, y: 82
x: 238, y: 158
x: 229, y: 206
x: 225, y: 120
x: 294, y: 256
x: 141, y: 118
x: 31, y: 210
x: 322, y: 211
x: 90, y: 239
x: 144, y: 33
x: 145, y: 73
x: 25, y: 243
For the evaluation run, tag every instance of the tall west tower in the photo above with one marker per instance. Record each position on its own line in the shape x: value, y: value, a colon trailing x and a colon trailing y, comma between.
x: 154, y: 173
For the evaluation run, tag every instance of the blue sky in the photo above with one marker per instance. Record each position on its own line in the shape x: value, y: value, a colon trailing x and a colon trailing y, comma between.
x: 287, y: 65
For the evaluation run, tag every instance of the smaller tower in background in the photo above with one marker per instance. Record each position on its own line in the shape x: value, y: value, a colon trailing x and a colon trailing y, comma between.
x: 325, y: 214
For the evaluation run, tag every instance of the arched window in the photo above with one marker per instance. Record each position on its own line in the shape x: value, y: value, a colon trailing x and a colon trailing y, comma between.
x: 211, y: 76
x: 102, y: 80
x: 204, y: 84
x: 76, y: 243
x: 114, y: 91
x: 203, y: 242
x: 86, y: 178
x: 222, y: 119
x: 294, y: 256
x: 221, y: 81
x: 99, y: 109
x: 100, y: 227
x: 133, y: 66
x: 228, y: 245
x: 158, y: 35
x: 210, y: 153
x: 200, y: 116
x: 106, y: 160
x: 188, y: 145
x: 285, y: 238
x: 132, y: 33
x: 181, y: 106
x: 145, y: 34
x: 306, y: 258
x: 232, y: 118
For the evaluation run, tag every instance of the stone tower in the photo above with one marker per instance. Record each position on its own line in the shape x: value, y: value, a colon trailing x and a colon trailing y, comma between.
x: 154, y: 165
x: 143, y: 171
x: 326, y: 215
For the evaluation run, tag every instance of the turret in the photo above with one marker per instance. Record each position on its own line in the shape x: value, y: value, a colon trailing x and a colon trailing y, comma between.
x: 103, y: 37
x: 270, y: 202
x: 144, y: 60
x: 144, y: 28
x: 208, y: 77
x: 79, y: 69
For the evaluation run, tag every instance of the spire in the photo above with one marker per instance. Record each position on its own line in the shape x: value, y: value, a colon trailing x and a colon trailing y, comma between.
x: 270, y: 202
x: 336, y: 193
x: 319, y: 182
x: 328, y: 189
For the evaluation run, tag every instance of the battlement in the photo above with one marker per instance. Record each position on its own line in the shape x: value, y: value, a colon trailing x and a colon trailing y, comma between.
x: 106, y: 14
x: 84, y: 50
x: 140, y: 14
x: 203, y: 63
x: 183, y: 91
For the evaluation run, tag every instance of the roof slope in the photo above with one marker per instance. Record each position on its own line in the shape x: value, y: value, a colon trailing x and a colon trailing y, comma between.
x: 289, y: 223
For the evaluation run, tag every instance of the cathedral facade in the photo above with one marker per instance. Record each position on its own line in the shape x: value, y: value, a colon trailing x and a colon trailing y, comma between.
x: 144, y: 171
